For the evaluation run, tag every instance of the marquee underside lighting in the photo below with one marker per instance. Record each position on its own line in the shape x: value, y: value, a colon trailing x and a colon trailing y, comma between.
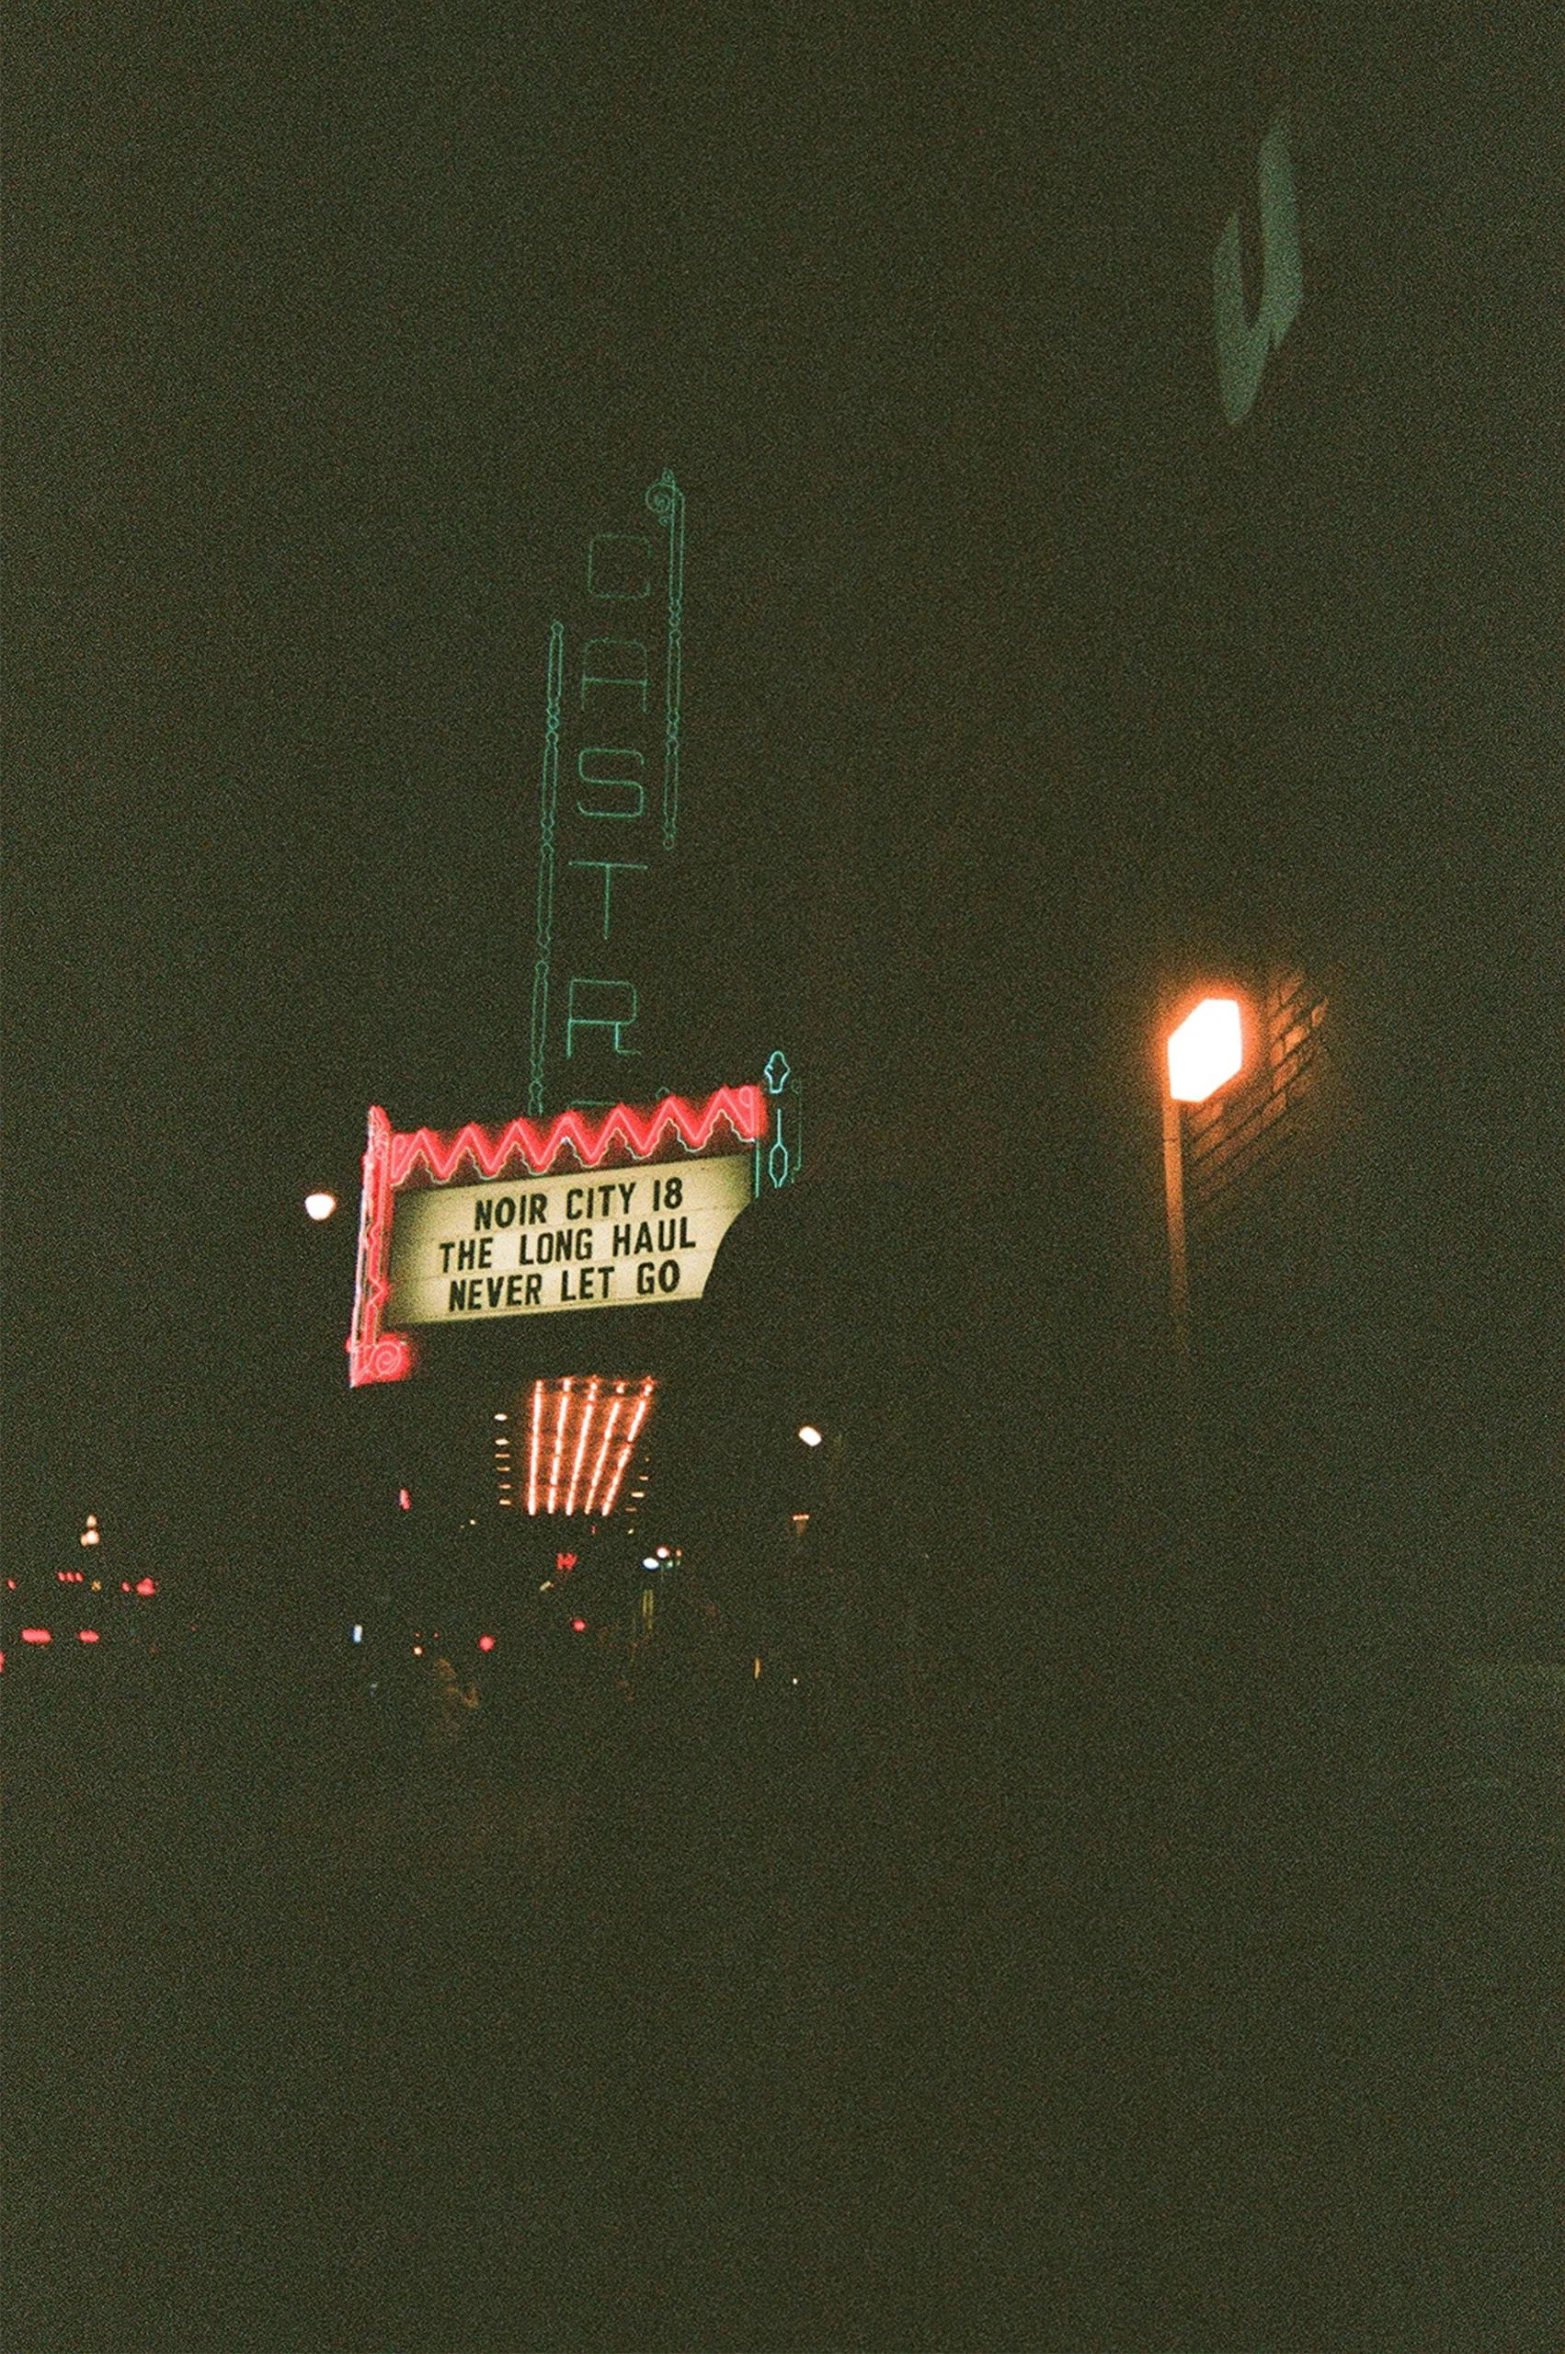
x: 529, y: 1148
x: 583, y: 1432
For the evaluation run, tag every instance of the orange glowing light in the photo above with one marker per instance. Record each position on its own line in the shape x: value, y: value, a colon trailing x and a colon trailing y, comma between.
x: 532, y: 1458
x: 643, y: 1408
x: 610, y: 1419
x: 559, y: 1443
x: 581, y: 1449
x: 1206, y: 1051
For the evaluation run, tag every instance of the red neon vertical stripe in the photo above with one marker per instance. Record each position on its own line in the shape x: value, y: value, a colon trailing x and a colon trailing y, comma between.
x: 581, y: 1449
x: 643, y: 1408
x: 559, y: 1443
x: 611, y: 1418
x: 533, y: 1449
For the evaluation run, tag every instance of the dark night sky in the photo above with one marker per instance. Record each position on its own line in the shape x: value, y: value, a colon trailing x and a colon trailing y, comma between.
x: 332, y: 335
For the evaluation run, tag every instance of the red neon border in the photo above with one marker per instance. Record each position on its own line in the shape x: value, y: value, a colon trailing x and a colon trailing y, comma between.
x: 394, y: 1161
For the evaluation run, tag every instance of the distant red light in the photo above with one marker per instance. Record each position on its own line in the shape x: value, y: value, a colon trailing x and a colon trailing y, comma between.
x: 486, y: 1642
x: 565, y: 1561
x: 404, y: 1499
x: 36, y: 1635
x: 146, y: 1586
x: 578, y: 1626
x: 88, y: 1635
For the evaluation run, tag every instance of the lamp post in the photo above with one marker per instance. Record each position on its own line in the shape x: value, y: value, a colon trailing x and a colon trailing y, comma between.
x: 1204, y: 1052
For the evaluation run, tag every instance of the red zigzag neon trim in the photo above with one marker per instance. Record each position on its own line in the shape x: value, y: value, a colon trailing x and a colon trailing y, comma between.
x: 537, y: 1149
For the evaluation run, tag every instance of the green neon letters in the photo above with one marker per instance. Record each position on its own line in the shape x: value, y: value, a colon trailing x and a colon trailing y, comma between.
x: 1244, y: 345
x: 606, y: 779
x: 622, y: 993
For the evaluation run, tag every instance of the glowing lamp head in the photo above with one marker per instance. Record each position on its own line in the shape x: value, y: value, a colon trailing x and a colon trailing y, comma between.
x: 809, y: 1434
x: 1206, y: 1051
x: 319, y: 1206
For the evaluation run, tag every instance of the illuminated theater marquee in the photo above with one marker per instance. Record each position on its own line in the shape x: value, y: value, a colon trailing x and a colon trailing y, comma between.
x: 466, y: 1251
x: 623, y: 1209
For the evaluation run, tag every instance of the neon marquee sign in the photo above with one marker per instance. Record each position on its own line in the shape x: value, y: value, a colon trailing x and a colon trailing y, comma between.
x: 479, y: 1242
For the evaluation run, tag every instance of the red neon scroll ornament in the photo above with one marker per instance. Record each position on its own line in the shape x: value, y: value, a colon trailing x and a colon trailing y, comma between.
x: 524, y: 1148
x: 374, y: 1355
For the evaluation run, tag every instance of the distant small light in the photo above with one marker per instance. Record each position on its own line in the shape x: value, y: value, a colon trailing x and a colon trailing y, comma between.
x: 757, y: 1667
x: 502, y: 1418
x: 319, y: 1206
x: 547, y: 1586
x: 810, y: 1435
x: 358, y: 1634
x: 11, y: 1582
x: 578, y: 1626
x: 146, y: 1586
x: 486, y: 1642
x: 404, y: 1499
x: 663, y: 1553
x: 36, y: 1635
x: 793, y: 1679
x: 88, y: 1635
x: 124, y: 1585
x: 649, y: 1561
x: 418, y: 1650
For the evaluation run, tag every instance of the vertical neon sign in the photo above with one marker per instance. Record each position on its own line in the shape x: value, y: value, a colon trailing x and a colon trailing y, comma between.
x: 603, y: 844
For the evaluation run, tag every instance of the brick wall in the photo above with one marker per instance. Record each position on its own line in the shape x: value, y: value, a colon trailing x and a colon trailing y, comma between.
x: 1239, y: 1142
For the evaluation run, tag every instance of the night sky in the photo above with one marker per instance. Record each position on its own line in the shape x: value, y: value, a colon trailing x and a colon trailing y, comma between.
x: 332, y: 337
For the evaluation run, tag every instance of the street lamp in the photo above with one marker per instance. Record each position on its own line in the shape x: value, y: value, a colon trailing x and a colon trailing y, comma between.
x: 1204, y: 1052
x: 319, y: 1206
x: 809, y: 1434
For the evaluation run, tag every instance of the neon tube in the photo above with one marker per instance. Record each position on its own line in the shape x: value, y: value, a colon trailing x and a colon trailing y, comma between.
x: 581, y: 1449
x: 643, y: 1408
x: 603, y: 1451
x: 532, y: 1458
x: 534, y: 1150
x: 559, y: 1443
